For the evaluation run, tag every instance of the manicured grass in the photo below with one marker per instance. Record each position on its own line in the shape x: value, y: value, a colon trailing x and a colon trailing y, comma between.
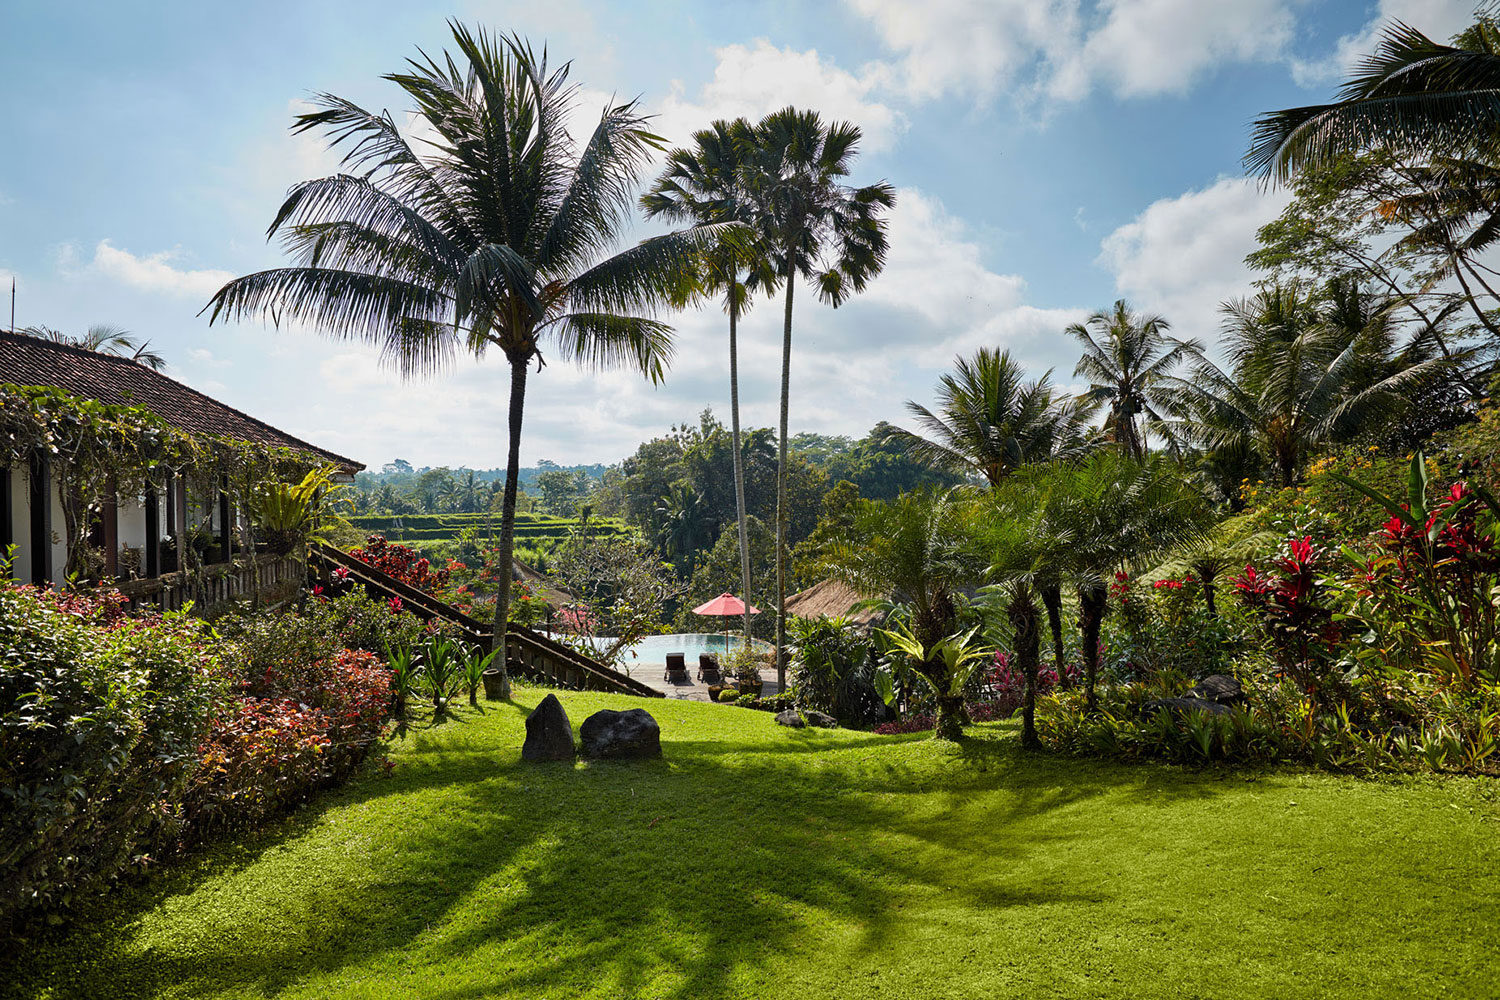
x: 754, y: 861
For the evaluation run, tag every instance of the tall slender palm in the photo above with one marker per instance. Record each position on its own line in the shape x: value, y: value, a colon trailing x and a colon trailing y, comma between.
x: 501, y: 234
x: 705, y: 185
x: 814, y: 227
x: 990, y: 420
x: 1412, y: 93
x: 105, y: 339
x: 1127, y: 359
x: 1299, y: 376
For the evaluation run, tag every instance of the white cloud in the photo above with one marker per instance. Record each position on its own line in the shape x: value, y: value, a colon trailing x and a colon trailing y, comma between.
x: 1437, y: 19
x: 1133, y: 48
x: 1146, y: 48
x: 1183, y: 256
x: 204, y: 358
x: 755, y: 80
x: 150, y: 273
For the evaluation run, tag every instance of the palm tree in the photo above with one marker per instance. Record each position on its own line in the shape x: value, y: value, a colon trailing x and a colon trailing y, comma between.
x: 499, y: 235
x: 815, y: 227
x: 919, y: 549
x: 106, y: 340
x: 992, y: 422
x: 1299, y: 377
x: 704, y: 185
x: 1026, y: 560
x: 1127, y: 358
x: 684, y: 528
x: 1412, y: 94
x: 1102, y: 515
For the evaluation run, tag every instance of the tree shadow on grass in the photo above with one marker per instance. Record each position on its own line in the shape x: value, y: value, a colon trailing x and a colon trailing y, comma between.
x: 684, y: 875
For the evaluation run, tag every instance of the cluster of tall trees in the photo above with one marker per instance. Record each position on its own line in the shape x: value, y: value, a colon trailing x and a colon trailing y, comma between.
x: 1374, y: 322
x: 502, y: 231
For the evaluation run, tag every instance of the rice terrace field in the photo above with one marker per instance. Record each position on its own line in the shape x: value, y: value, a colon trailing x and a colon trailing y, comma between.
x: 754, y: 861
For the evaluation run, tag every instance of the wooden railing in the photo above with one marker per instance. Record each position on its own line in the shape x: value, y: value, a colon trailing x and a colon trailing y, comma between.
x: 528, y: 654
x: 272, y: 578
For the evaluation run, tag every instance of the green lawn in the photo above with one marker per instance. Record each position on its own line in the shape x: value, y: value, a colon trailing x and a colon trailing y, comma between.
x: 754, y: 861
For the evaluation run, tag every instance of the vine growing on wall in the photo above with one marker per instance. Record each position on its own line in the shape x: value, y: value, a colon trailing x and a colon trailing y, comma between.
x: 99, y: 451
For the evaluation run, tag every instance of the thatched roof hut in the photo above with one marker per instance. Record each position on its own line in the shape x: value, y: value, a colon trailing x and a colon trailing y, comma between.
x: 543, y: 585
x: 831, y: 599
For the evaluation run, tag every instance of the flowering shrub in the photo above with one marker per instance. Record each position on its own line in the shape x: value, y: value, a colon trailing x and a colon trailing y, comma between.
x: 299, y: 726
x: 404, y: 564
x: 1290, y: 602
x: 1005, y: 684
x: 1430, y: 587
x: 921, y: 722
x: 100, y: 721
x: 1167, y: 628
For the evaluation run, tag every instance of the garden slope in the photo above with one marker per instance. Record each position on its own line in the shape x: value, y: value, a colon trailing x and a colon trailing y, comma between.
x: 754, y: 861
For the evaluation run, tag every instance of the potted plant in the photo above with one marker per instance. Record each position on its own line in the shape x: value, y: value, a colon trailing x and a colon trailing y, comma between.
x: 744, y: 664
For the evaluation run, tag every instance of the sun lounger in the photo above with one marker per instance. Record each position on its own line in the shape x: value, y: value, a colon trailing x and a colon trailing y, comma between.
x: 677, y: 669
x: 708, y: 669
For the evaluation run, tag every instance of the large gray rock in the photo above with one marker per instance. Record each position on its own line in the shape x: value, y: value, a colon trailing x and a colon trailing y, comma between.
x: 608, y: 733
x: 549, y: 734
x: 821, y: 720
x: 1181, y: 706
x: 1218, y: 688
x: 790, y: 718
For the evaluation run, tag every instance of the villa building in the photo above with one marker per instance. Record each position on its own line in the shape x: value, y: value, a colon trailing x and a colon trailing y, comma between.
x: 129, y: 531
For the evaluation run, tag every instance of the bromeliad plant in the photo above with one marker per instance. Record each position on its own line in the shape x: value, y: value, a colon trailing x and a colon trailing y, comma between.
x: 474, y: 663
x: 442, y: 663
x: 1435, y: 577
x: 405, y: 673
x: 946, y: 666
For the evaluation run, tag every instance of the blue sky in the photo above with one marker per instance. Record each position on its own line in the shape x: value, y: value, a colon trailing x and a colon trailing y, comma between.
x: 1050, y: 156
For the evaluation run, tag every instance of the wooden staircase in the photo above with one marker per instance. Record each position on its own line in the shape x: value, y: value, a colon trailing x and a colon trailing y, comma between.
x: 529, y: 654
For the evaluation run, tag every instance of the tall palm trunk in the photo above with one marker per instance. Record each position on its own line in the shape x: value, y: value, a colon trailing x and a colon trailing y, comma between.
x: 739, y: 469
x: 1023, y: 619
x: 508, y: 519
x: 781, y: 511
x: 1052, y: 600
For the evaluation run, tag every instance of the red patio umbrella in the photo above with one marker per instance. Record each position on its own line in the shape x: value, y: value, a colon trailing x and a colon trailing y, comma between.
x: 725, y: 606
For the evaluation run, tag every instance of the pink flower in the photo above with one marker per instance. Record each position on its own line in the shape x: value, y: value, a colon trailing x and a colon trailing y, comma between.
x: 395, y: 604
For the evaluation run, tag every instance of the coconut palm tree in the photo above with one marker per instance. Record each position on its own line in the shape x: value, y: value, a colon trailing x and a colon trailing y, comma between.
x: 704, y: 185
x: 501, y: 234
x: 991, y: 421
x: 1298, y: 378
x: 105, y: 339
x: 1412, y: 93
x: 1128, y: 359
x: 817, y: 228
x: 920, y: 549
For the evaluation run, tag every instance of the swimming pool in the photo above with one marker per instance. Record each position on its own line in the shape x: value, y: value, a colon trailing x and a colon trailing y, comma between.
x: 653, y: 649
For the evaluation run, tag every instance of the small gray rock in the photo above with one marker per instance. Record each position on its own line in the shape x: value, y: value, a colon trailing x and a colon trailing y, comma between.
x: 1218, y: 688
x: 790, y: 718
x: 549, y: 734
x: 608, y: 733
x: 821, y: 720
x: 1180, y: 706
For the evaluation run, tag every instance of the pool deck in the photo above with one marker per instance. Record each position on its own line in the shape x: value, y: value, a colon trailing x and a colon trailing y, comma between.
x: 654, y: 675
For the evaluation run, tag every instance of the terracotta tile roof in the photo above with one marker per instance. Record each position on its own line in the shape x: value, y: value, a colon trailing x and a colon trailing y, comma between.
x: 26, y: 360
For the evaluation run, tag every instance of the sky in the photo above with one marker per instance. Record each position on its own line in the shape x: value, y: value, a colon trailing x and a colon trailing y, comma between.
x: 1049, y: 157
